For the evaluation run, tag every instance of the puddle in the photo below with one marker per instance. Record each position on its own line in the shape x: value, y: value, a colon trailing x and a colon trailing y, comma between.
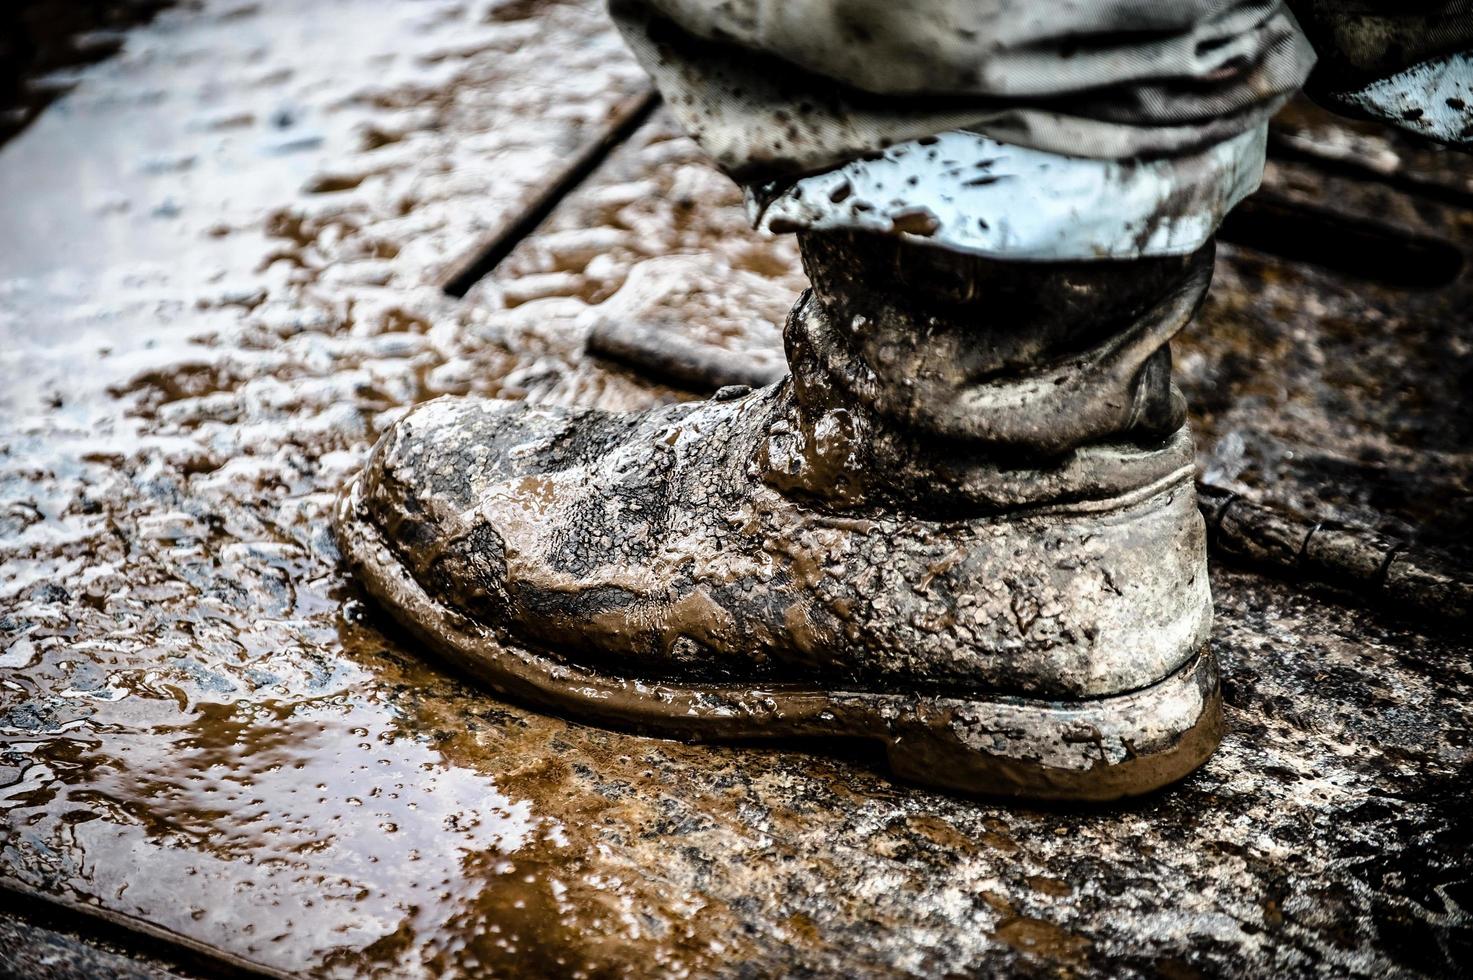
x: 342, y: 833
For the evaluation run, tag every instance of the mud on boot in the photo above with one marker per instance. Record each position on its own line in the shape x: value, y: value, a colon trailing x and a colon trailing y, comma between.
x: 885, y: 545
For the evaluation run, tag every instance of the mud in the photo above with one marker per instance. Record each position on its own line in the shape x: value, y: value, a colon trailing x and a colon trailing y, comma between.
x: 1339, y: 396
x: 208, y: 731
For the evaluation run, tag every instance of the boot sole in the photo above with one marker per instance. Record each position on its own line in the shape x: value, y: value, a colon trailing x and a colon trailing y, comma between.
x: 1088, y: 749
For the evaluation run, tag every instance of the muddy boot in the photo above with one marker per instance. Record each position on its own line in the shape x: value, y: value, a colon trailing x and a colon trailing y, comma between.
x: 965, y: 527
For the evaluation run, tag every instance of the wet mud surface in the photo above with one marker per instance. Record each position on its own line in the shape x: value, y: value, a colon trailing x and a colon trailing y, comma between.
x: 1337, y: 384
x: 225, y: 285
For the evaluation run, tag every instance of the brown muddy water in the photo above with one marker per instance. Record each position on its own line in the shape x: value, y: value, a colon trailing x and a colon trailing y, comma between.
x: 221, y: 279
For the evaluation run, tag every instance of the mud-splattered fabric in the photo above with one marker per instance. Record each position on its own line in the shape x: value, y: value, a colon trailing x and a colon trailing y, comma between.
x: 774, y: 89
x: 1110, y: 129
x: 1407, y: 64
x: 969, y: 193
x: 1360, y: 42
x: 1049, y: 111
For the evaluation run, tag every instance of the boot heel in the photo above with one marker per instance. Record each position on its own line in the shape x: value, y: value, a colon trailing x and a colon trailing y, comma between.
x: 1101, y: 749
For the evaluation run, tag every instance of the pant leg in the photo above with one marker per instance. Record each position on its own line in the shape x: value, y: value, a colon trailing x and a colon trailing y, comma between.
x: 1407, y: 64
x: 1006, y: 128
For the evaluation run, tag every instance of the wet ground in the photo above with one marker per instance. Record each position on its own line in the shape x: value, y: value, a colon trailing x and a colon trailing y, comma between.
x: 224, y: 274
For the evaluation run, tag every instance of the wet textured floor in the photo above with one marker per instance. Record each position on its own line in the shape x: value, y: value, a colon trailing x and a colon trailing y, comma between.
x: 222, y: 277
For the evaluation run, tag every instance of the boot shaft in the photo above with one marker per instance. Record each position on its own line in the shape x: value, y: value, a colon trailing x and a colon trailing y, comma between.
x: 1030, y: 359
x: 937, y: 381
